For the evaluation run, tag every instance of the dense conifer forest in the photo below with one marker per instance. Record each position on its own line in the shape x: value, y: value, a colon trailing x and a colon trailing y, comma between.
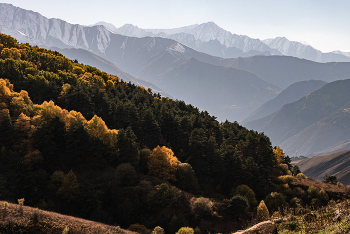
x: 79, y: 141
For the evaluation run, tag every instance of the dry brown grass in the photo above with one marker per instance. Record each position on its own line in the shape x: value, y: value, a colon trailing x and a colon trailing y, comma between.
x: 49, y: 222
x: 340, y: 192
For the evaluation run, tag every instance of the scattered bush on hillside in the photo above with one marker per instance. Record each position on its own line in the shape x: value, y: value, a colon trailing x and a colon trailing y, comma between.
x: 315, y: 203
x: 202, y: 207
x: 262, y: 213
x: 185, y: 230
x: 21, y: 202
x: 312, y: 192
x: 238, y: 205
x: 323, y: 196
x: 286, y: 178
x: 332, y: 203
x: 158, y: 230
x: 296, y: 202
x: 247, y: 192
x: 295, y: 170
x: 298, y: 192
x: 301, y: 175
x: 284, y: 168
x: 330, y: 180
x: 139, y: 228
x: 275, y: 200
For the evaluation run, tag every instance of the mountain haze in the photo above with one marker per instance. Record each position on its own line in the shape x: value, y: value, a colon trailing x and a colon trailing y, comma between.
x: 290, y: 94
x: 300, y: 50
x: 311, y: 124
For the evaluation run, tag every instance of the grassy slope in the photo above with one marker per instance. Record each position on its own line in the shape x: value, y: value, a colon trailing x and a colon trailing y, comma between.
x: 12, y: 221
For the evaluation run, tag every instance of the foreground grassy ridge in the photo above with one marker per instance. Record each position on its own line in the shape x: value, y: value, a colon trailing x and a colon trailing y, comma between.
x: 33, y: 220
x: 333, y: 218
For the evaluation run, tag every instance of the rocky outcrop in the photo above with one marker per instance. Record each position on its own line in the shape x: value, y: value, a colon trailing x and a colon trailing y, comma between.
x: 266, y: 227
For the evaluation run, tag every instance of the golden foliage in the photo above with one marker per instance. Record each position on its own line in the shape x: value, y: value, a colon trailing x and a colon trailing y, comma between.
x: 262, y: 211
x: 163, y: 163
x: 278, y: 155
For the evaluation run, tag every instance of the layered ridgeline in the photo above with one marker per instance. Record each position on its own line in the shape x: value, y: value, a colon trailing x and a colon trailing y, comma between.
x: 290, y: 94
x: 76, y: 140
x: 317, y: 122
x: 211, y: 39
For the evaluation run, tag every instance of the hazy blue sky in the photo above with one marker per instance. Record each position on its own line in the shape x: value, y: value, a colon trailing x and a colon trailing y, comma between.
x: 322, y: 23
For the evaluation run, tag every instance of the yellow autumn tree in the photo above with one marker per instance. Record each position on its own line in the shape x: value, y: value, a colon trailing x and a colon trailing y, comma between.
x: 163, y: 163
x: 278, y: 154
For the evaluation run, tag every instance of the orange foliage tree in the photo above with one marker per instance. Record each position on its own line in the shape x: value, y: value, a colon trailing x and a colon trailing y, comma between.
x: 163, y: 163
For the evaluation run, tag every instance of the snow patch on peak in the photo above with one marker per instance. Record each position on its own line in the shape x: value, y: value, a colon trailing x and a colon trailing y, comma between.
x: 177, y: 48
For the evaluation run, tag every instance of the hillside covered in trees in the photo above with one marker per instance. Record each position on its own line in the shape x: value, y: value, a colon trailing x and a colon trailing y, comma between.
x: 78, y: 141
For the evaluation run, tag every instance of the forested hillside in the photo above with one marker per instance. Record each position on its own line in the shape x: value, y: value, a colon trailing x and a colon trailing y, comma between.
x: 78, y: 141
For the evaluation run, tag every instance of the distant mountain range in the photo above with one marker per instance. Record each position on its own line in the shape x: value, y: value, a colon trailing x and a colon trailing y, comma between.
x: 146, y: 58
x: 210, y: 38
x: 318, y: 122
x: 337, y: 164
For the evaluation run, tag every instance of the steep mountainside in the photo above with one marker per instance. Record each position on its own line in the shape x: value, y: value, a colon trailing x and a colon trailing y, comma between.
x: 318, y: 167
x: 289, y: 95
x: 311, y: 124
x: 299, y: 50
x: 221, y: 90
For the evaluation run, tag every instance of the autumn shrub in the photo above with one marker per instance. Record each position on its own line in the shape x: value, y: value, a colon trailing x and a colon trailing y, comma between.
x: 332, y: 203
x: 238, y: 205
x: 185, y: 230
x: 162, y: 163
x: 139, y: 228
x: 36, y: 215
x: 301, y: 175
x: 202, y: 207
x: 298, y: 192
x: 262, y: 213
x: 65, y: 230
x: 296, y: 202
x: 316, y: 202
x: 21, y: 202
x: 247, y: 192
x: 286, y: 178
x: 275, y: 200
x: 197, y: 230
x: 158, y: 230
x: 312, y: 192
x: 285, y: 169
x: 126, y: 174
x: 323, y: 196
